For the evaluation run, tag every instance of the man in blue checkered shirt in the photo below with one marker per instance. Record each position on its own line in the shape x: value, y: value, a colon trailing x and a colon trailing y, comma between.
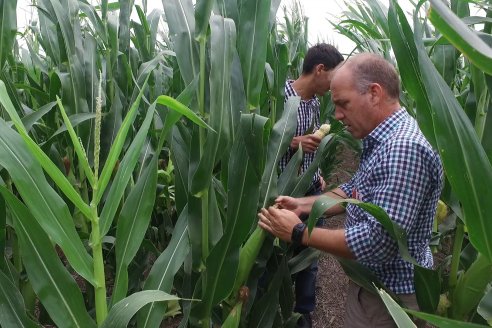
x: 398, y: 171
x: 318, y: 66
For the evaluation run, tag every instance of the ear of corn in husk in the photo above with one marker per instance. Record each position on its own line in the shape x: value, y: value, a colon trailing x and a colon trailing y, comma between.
x: 323, y: 130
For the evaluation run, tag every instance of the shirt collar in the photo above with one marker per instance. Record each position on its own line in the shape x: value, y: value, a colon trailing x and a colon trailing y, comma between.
x: 292, y: 91
x: 385, y: 129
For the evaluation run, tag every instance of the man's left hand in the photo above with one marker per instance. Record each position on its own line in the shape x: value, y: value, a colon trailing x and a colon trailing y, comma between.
x: 278, y: 222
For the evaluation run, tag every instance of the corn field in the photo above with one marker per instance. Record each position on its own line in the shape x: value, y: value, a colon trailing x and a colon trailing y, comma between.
x: 136, y: 152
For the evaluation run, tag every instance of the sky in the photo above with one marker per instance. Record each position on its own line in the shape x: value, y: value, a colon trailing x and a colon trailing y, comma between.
x: 318, y: 12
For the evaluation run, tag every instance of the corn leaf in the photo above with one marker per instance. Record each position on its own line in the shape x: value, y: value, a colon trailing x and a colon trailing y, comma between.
x: 223, y: 40
x: 122, y: 312
x: 289, y: 176
x: 442, y: 322
x: 180, y: 108
x: 428, y: 288
x: 470, y: 288
x: 117, y: 146
x: 402, y: 319
x: 124, y: 173
x: 461, y: 36
x: 132, y: 225
x: 50, y: 280
x: 45, y: 204
x: 485, y: 306
x: 223, y: 261
x: 255, y: 131
x: 50, y: 168
x: 81, y: 155
x: 161, y: 275
x: 252, y: 46
x: 203, y: 9
x: 179, y: 17
x: 8, y: 29
x: 12, y: 312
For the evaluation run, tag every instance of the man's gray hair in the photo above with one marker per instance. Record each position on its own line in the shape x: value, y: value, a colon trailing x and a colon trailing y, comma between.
x: 370, y: 68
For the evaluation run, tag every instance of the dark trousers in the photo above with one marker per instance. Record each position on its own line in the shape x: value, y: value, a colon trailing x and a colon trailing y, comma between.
x: 305, y: 280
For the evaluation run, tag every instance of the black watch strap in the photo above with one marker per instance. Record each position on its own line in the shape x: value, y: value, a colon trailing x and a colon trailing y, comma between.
x: 297, y: 233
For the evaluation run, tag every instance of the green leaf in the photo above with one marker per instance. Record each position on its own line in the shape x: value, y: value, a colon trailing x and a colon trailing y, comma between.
x: 461, y: 36
x: 12, y: 312
x: 124, y: 173
x: 29, y: 120
x: 252, y: 46
x: 254, y: 130
x: 50, y: 168
x: 8, y: 29
x: 181, y: 22
x: 223, y: 260
x: 132, y: 225
x: 121, y: 313
x: 161, y: 275
x: 183, y: 110
x: 281, y: 136
x: 441, y: 322
x: 289, y: 176
x: 223, y: 40
x: 50, y: 280
x: 485, y: 306
x: 117, y: 146
x: 470, y: 288
x: 203, y: 9
x: 81, y: 155
x: 361, y: 275
x: 45, y: 204
x: 428, y: 288
x: 401, y: 318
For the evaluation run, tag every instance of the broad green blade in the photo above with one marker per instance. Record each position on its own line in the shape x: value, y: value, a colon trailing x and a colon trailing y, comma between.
x: 361, y: 275
x: 255, y: 130
x: 124, y: 173
x: 281, y: 136
x: 485, y: 306
x: 441, y: 322
x: 402, y: 319
x: 12, y: 312
x: 252, y: 46
x: 182, y: 109
x: 405, y: 50
x: 181, y: 22
x: 223, y: 40
x: 81, y: 155
x: 461, y: 36
x: 29, y: 120
x: 304, y: 181
x: 161, y: 275
x: 121, y: 313
x: 223, y: 260
x: 428, y: 288
x: 470, y: 288
x: 234, y: 317
x: 203, y: 9
x: 288, y: 178
x: 74, y: 120
x: 264, y: 310
x: 8, y: 29
x: 51, y: 281
x: 50, y: 168
x: 117, y: 146
x: 132, y: 225
x: 46, y: 205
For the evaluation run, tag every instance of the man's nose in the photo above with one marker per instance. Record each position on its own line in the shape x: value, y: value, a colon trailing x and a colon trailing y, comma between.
x: 338, y: 113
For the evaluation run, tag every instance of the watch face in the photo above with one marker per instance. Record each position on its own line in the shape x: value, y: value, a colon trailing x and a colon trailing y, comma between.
x: 297, y: 233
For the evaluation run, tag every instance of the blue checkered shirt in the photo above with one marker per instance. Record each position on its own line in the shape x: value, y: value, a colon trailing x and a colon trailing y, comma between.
x: 400, y: 172
x: 307, y: 120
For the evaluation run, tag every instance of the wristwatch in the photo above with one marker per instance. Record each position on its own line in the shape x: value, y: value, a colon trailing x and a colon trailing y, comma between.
x: 297, y: 233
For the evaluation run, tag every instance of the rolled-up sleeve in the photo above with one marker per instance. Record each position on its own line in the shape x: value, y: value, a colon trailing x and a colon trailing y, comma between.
x: 399, y: 185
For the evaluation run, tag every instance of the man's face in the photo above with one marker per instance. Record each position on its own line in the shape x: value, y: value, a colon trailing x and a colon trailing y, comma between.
x: 323, y: 80
x: 352, y: 108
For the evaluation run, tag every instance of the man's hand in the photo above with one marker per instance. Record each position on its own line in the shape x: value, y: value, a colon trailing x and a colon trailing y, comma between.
x: 309, y: 142
x: 278, y: 222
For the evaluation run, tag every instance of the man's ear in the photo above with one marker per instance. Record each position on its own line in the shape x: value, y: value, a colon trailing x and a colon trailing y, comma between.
x: 319, y: 68
x: 376, y: 92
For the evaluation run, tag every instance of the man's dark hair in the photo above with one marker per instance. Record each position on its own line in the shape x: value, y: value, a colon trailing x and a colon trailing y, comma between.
x: 372, y: 68
x: 321, y: 53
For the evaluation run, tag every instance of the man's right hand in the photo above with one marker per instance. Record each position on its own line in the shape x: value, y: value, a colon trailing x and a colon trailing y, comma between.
x: 309, y: 142
x: 289, y: 203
